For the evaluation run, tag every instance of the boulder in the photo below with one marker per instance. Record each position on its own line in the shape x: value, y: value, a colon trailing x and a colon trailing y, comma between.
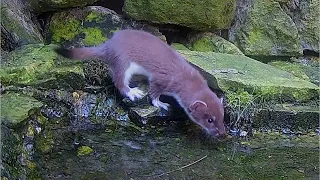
x: 232, y: 72
x: 305, y: 14
x: 17, y: 27
x: 262, y: 28
x: 204, y: 42
x: 39, y: 66
x: 39, y: 6
x: 199, y: 15
x: 89, y: 26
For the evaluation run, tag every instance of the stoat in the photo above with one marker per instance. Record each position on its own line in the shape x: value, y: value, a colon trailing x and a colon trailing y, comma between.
x: 131, y: 52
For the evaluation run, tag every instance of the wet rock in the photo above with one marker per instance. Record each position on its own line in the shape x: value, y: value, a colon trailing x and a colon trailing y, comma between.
x: 15, y: 107
x: 96, y: 110
x: 17, y: 27
x: 39, y: 66
x: 39, y: 6
x: 89, y: 26
x: 231, y: 72
x: 205, y: 42
x: 262, y: 28
x: 144, y: 115
x: 203, y: 15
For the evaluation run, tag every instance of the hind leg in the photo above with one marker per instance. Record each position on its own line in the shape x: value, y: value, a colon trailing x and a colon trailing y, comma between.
x: 122, y: 84
x: 154, y: 94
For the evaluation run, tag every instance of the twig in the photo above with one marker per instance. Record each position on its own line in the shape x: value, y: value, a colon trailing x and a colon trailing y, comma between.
x: 183, y: 166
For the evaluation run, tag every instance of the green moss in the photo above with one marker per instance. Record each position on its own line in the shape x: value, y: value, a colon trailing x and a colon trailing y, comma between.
x: 206, y: 42
x: 302, y: 95
x: 64, y: 30
x: 178, y: 46
x: 239, y: 98
x: 36, y: 64
x: 208, y: 14
x: 15, y: 107
x: 84, y: 150
x: 290, y: 67
x: 92, y: 16
x: 45, y: 141
x: 308, y: 71
x: 93, y: 36
x: 202, y: 45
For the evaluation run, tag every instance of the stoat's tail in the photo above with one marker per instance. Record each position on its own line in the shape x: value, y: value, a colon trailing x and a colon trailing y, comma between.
x: 80, y: 53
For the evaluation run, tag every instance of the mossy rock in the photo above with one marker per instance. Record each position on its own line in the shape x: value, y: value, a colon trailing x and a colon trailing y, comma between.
x: 38, y: 65
x: 304, y: 71
x: 305, y: 15
x: 39, y: 6
x: 89, y: 26
x: 205, y: 42
x: 11, y: 149
x: 17, y: 28
x: 264, y: 29
x: 178, y: 46
x: 15, y: 107
x: 288, y: 116
x: 234, y: 72
x: 200, y: 15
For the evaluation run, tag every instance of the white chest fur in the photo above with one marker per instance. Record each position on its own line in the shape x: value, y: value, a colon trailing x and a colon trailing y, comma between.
x: 133, y: 69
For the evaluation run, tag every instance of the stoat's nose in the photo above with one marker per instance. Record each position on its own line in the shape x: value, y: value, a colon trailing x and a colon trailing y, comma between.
x: 219, y: 133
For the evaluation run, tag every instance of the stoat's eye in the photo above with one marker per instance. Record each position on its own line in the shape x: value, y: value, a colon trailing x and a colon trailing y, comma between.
x: 210, y: 120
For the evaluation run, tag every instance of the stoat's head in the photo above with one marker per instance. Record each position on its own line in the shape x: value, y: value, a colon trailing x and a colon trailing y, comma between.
x: 208, y: 113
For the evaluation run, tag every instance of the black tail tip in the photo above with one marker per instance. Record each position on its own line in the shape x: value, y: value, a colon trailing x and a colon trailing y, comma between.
x: 63, y: 52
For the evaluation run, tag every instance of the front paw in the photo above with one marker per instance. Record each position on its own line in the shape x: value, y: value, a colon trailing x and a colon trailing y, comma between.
x: 135, y: 93
x: 159, y: 104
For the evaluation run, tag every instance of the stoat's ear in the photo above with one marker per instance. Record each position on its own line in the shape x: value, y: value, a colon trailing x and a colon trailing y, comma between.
x: 197, y: 105
x: 221, y: 100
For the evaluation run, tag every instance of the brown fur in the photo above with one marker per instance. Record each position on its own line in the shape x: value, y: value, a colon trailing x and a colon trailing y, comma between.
x: 169, y: 73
